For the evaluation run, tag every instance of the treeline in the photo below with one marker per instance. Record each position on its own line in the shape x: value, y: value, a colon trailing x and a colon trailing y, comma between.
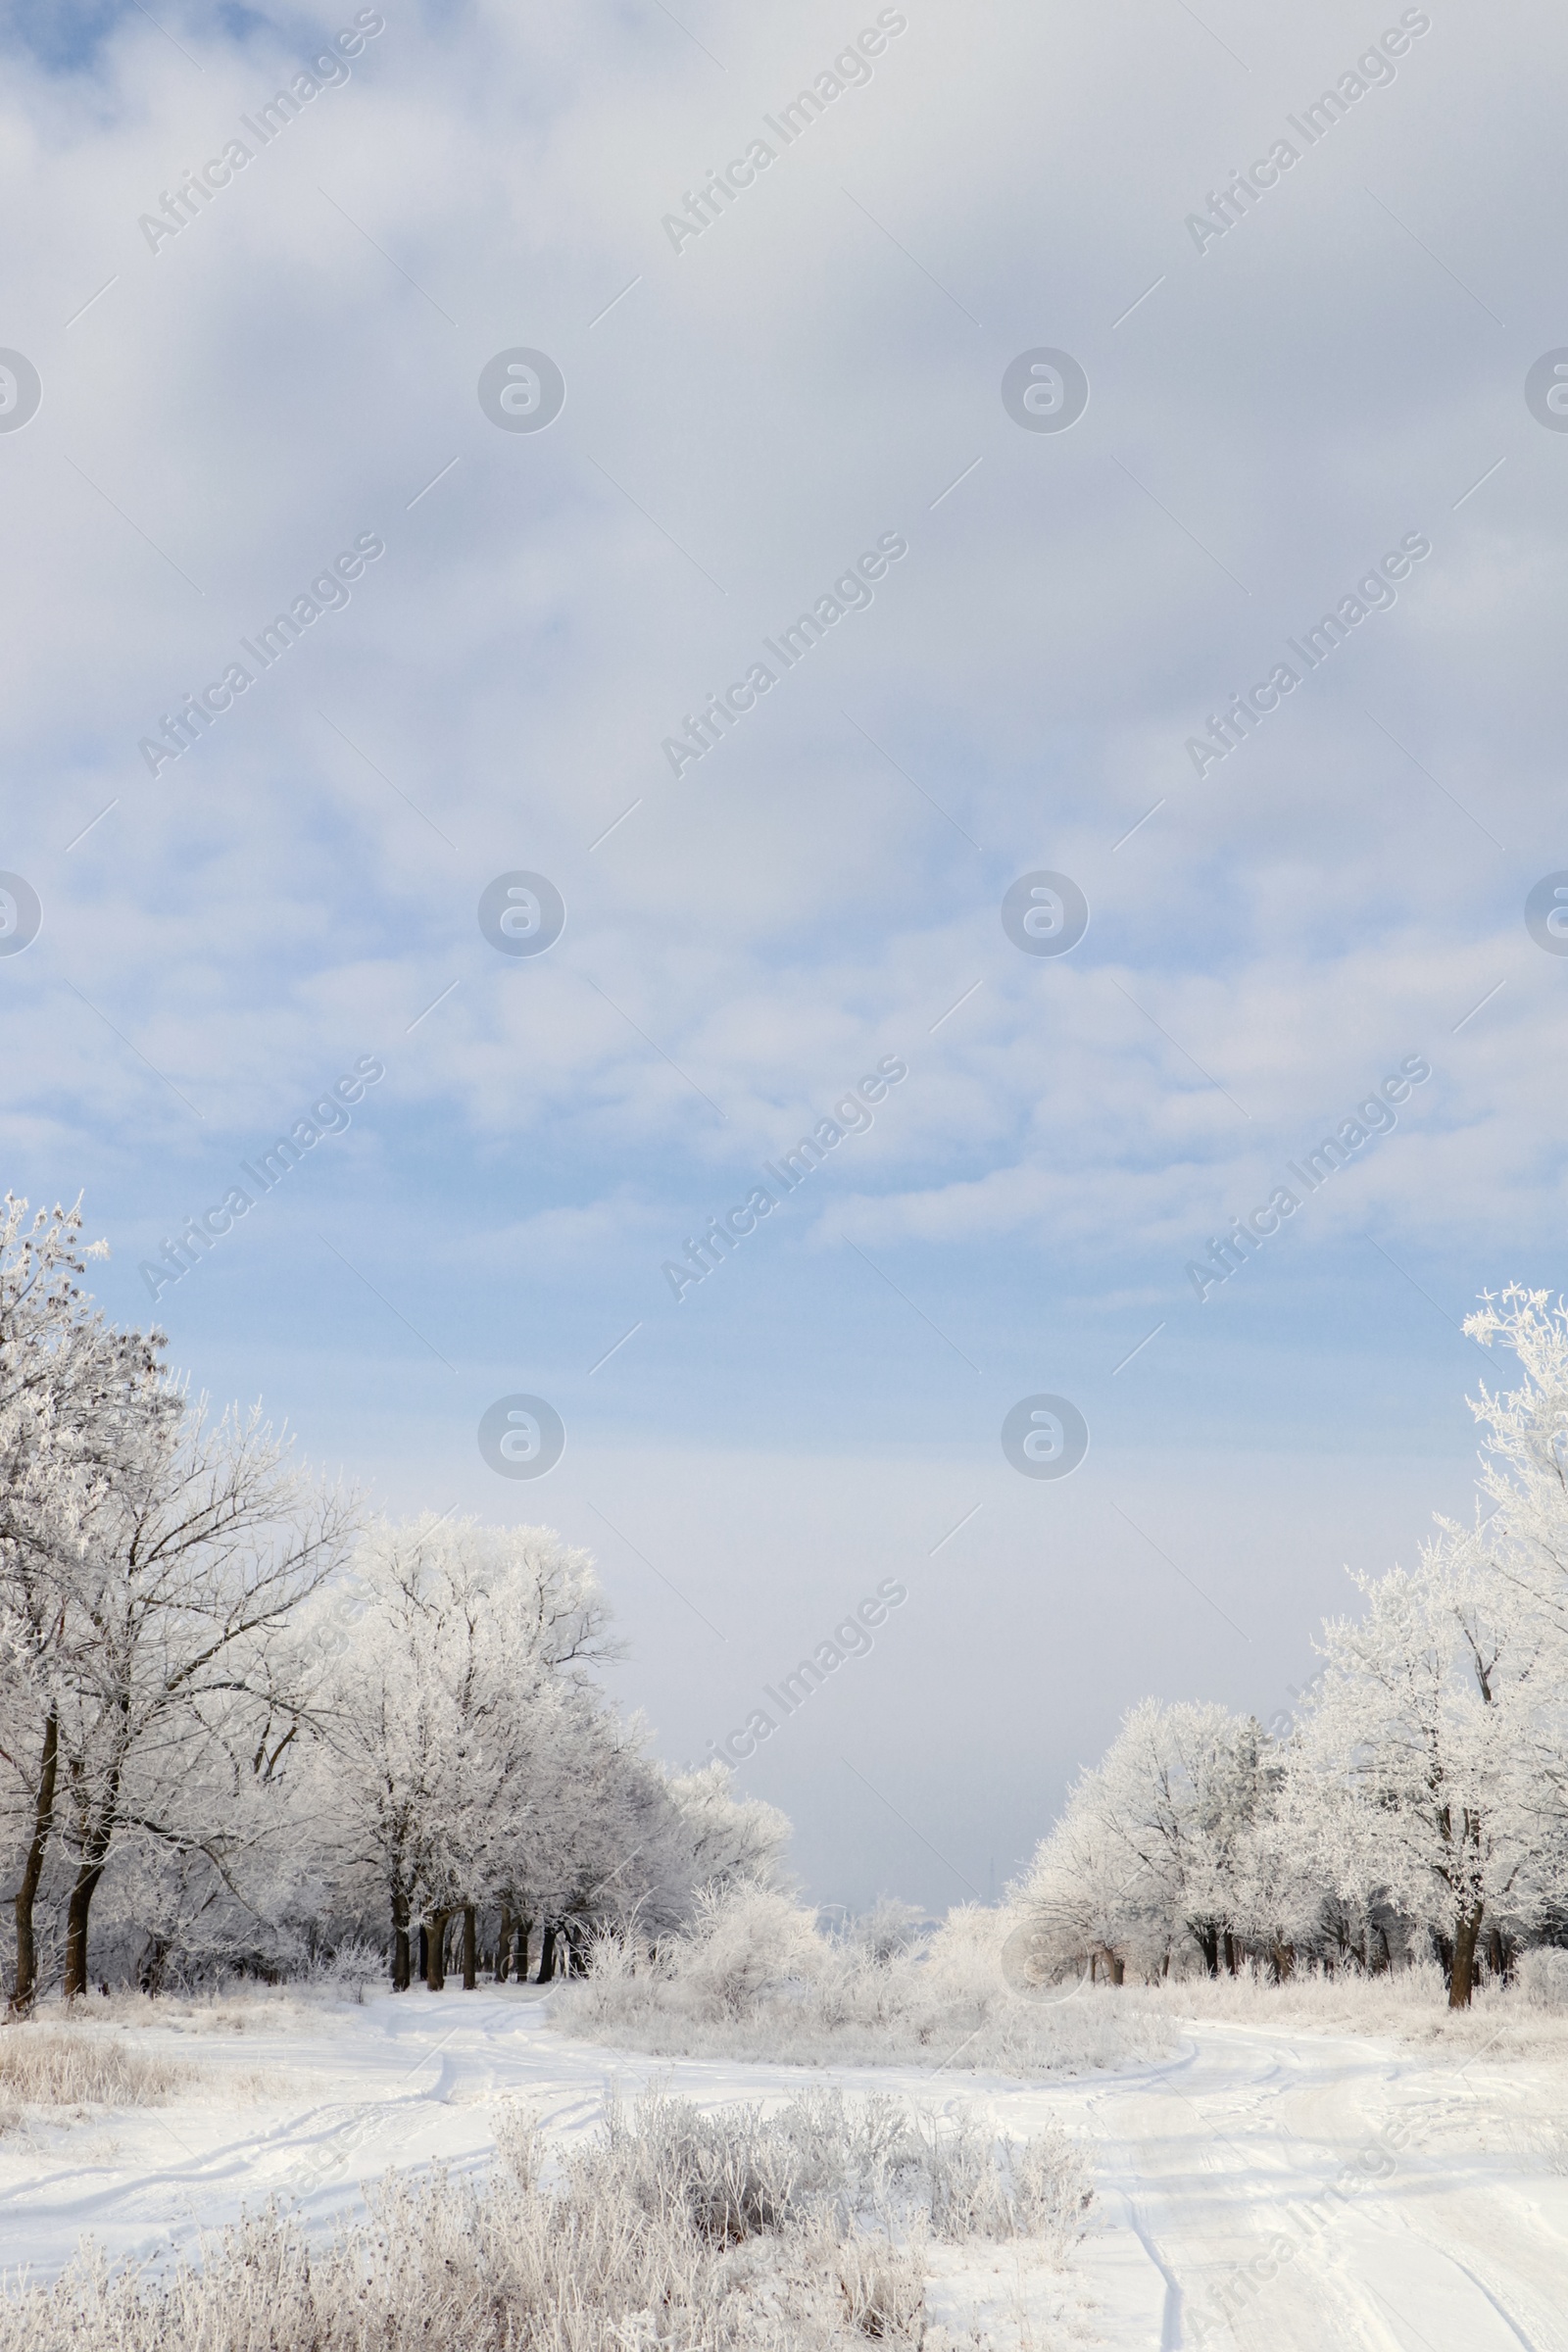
x: 246, y: 1727
x: 1416, y: 1807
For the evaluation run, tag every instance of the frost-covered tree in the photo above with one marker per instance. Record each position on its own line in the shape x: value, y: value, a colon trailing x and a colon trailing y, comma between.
x: 725, y: 1840
x: 78, y: 1400
x: 1089, y: 1897
x: 1300, y: 1820
x: 1523, y: 1474
x: 453, y: 1718
x: 1523, y: 1534
x: 193, y: 1556
x: 1417, y: 1719
x: 1152, y: 1849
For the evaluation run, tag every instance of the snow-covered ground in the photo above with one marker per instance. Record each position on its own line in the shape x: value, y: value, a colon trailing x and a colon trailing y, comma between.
x: 1271, y: 2188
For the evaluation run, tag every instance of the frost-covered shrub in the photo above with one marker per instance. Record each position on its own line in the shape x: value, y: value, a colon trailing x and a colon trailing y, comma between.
x: 739, y: 2233
x: 745, y: 1945
x: 754, y: 1978
x: 349, y: 1968
x: 1543, y: 1977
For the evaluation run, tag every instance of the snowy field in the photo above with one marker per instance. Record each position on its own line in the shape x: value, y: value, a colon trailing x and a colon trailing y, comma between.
x: 1272, y: 2185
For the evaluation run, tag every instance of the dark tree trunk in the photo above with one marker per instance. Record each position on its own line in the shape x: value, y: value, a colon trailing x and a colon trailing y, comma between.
x: 400, y: 1941
x: 504, y: 1947
x: 424, y: 1951
x: 1283, y: 1957
x: 471, y: 1956
x: 519, y: 1948
x: 150, y: 1972
x: 1208, y: 1945
x: 1229, y: 1953
x: 1461, y: 1982
x: 76, y: 1912
x: 547, y: 1955
x: 89, y: 1870
x: 25, y: 1991
x: 1499, y: 1955
x: 435, y: 1946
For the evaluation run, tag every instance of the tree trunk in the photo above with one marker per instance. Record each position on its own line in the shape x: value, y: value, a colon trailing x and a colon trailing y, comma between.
x: 504, y: 1947
x: 89, y: 1870
x: 400, y: 1940
x: 519, y: 1948
x: 1229, y: 1953
x: 25, y: 1991
x: 547, y: 1955
x: 1284, y: 1956
x: 434, y: 1939
x: 150, y: 1971
x: 1208, y: 1945
x: 470, y: 1957
x: 1461, y: 1984
x: 424, y: 1951
x: 76, y: 1911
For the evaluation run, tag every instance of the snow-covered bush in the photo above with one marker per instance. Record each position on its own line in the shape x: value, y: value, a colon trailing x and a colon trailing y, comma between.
x: 745, y: 1945
x: 755, y: 1979
x: 1541, y: 1975
x: 349, y: 1968
x: 795, y: 2233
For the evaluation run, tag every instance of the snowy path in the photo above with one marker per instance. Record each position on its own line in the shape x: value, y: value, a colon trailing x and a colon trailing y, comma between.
x: 1264, y: 2192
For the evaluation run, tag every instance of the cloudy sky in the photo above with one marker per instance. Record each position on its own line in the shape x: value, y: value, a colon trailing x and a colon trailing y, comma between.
x: 213, y: 391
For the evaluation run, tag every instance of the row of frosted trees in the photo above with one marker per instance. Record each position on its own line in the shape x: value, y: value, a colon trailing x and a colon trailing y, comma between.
x: 1416, y: 1806
x: 245, y: 1725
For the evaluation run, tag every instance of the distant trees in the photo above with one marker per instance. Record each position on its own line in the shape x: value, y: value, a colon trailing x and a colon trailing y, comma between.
x: 1422, y: 1796
x: 1152, y: 1848
x: 455, y: 1720
x: 254, y: 1727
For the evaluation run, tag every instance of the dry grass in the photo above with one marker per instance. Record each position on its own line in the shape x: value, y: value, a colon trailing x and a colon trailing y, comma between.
x: 1408, y: 2005
x: 672, y: 2231
x: 245, y: 2007
x: 40, y: 2068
